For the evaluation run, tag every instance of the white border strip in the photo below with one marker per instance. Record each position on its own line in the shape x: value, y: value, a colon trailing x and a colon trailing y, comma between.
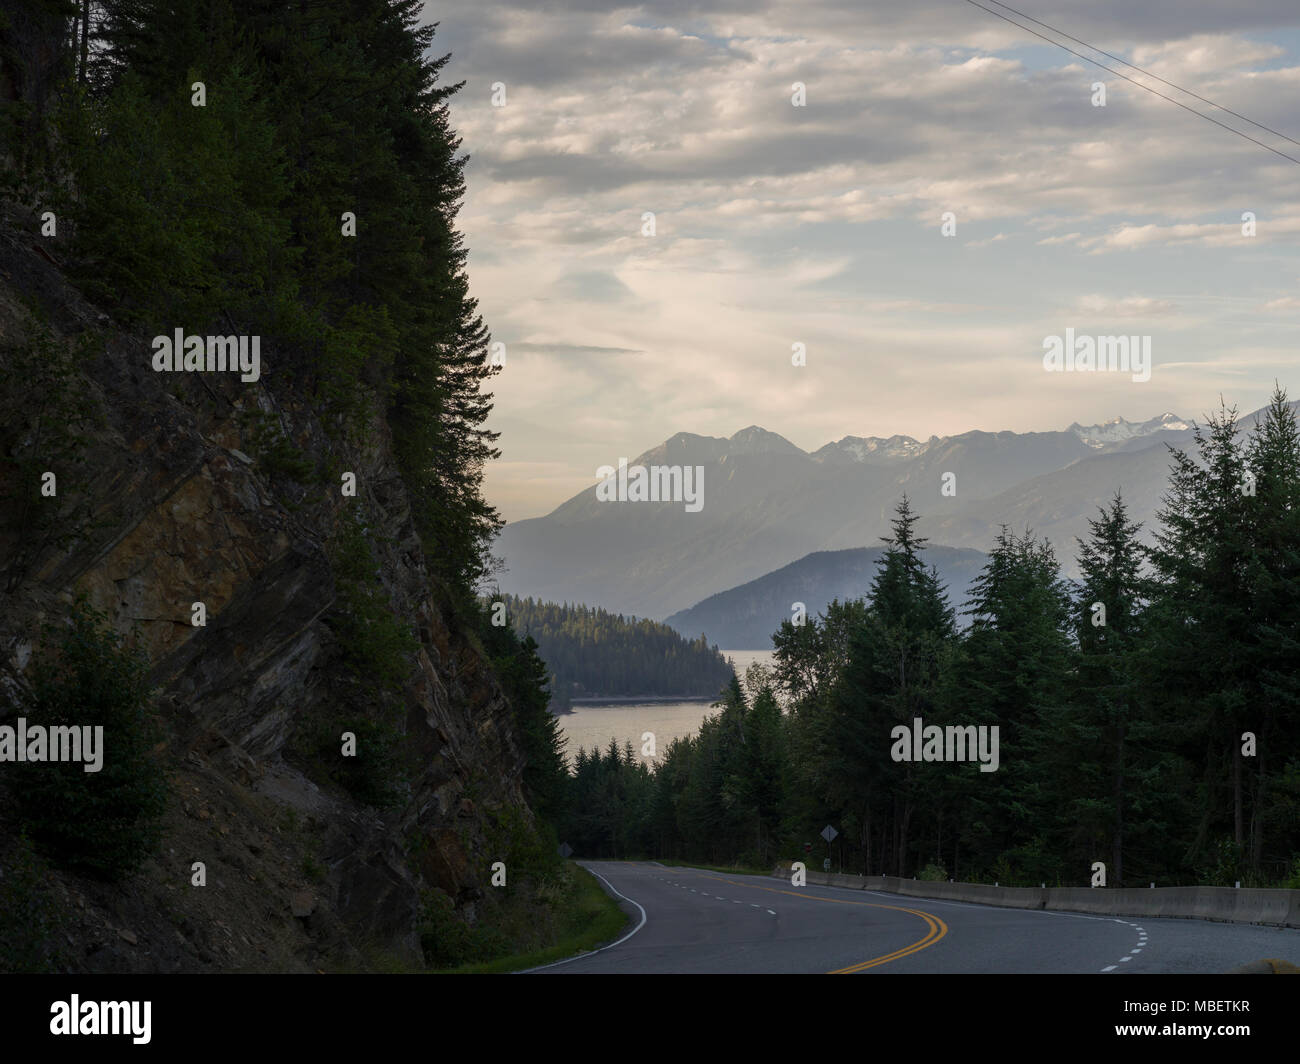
x: 592, y: 953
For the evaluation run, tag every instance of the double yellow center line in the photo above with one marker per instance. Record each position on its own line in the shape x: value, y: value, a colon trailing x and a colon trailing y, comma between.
x: 935, y: 928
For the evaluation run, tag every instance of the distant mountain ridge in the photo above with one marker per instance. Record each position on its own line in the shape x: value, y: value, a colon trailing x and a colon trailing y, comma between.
x: 1118, y: 431
x: 744, y: 618
x: 874, y: 449
x: 767, y: 503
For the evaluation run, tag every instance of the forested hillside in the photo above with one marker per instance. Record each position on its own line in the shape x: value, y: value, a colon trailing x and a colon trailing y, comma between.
x: 289, y: 172
x: 1149, y: 714
x: 591, y: 653
x: 260, y: 583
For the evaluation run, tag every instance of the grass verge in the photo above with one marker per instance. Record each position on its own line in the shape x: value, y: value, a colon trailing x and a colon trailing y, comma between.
x: 590, y: 919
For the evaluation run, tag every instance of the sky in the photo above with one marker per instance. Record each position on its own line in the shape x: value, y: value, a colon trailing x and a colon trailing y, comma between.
x: 823, y: 224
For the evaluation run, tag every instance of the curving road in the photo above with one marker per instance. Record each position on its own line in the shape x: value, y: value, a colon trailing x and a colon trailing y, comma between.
x: 686, y: 920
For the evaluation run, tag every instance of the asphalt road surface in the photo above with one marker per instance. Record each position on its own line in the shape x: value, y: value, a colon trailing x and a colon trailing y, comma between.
x: 687, y: 920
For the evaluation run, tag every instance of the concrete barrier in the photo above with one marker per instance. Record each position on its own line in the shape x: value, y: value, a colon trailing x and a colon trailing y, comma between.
x: 1280, y: 908
x: 1010, y: 897
x: 830, y: 879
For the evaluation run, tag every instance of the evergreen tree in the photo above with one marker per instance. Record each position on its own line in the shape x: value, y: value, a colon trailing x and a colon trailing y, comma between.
x: 1273, y: 457
x: 1205, y: 642
x: 1105, y: 777
x: 1014, y: 668
x: 889, y: 678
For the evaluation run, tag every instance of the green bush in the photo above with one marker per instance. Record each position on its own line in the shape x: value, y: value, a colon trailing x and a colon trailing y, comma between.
x: 373, y: 775
x: 102, y: 823
x: 1224, y: 866
x: 275, y: 453
x: 30, y: 919
x: 44, y: 426
x: 377, y: 650
x: 1292, y: 881
x: 446, y: 940
x: 529, y: 851
x: 376, y: 645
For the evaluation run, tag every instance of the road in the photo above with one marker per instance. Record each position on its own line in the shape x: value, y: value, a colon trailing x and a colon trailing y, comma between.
x: 687, y: 920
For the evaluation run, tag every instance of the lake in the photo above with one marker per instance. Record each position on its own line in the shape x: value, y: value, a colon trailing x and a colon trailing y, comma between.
x: 593, y: 724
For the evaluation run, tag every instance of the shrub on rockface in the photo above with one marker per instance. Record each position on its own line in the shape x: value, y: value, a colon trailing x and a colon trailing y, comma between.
x: 377, y: 650
x: 105, y: 822
x: 448, y: 942
x: 30, y: 917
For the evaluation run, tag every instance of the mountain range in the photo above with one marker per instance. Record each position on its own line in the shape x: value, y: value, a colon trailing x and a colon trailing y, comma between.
x: 768, y: 503
x: 745, y: 617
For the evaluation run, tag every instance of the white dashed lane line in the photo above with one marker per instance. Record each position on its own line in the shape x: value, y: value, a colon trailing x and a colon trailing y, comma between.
x: 1142, y: 941
x: 719, y: 897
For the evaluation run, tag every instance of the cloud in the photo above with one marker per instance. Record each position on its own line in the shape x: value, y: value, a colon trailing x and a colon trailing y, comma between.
x: 1124, y: 306
x: 1225, y: 234
x: 821, y: 224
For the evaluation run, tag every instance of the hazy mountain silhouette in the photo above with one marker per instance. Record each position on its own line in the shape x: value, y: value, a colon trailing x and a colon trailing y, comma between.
x: 767, y: 503
x: 744, y: 618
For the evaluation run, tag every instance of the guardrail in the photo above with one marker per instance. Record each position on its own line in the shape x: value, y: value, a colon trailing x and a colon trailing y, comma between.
x: 1280, y: 908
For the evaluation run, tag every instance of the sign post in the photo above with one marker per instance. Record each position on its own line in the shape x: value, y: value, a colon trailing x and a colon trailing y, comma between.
x: 828, y: 833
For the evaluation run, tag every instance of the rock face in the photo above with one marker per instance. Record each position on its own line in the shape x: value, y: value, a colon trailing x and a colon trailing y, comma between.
x: 164, y: 509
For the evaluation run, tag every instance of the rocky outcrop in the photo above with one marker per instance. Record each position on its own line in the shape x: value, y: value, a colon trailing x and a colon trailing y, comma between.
x: 169, y: 506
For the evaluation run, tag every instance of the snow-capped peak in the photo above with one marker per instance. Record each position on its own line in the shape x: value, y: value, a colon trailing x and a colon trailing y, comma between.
x: 869, y: 449
x: 1116, y: 430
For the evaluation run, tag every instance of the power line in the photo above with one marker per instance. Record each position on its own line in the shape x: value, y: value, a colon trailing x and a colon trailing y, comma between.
x: 1119, y: 74
x: 1148, y: 73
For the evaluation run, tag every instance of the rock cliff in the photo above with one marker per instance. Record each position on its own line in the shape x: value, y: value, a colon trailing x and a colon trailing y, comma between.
x: 168, y: 495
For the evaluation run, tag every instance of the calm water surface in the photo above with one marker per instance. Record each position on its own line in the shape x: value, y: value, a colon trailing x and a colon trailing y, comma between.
x: 592, y: 725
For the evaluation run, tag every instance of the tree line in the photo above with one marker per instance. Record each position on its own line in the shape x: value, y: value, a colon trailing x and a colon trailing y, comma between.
x: 592, y: 653
x: 1148, y: 711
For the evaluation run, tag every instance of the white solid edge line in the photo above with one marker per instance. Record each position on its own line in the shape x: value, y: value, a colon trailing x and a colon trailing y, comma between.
x: 975, y: 905
x: 602, y: 949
